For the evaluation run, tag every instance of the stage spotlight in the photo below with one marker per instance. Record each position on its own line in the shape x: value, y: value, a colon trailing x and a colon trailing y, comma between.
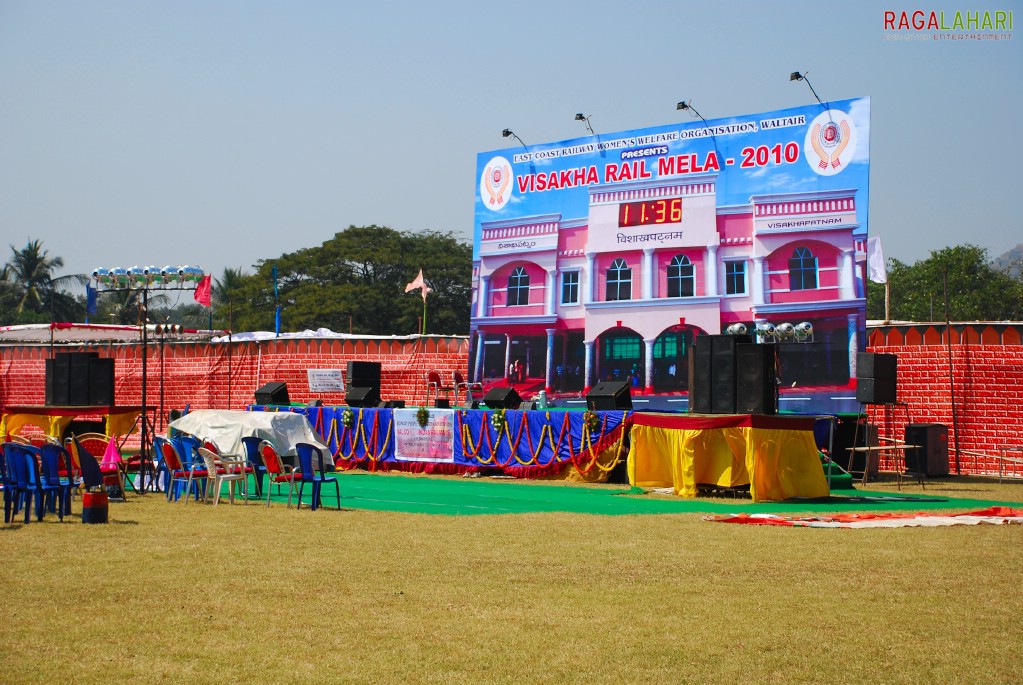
x: 582, y: 117
x: 736, y: 329
x: 688, y: 106
x: 804, y: 332
x: 508, y: 133
x: 796, y: 76
x: 785, y: 331
x: 765, y: 332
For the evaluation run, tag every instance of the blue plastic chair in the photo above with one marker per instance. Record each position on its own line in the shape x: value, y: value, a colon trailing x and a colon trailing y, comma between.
x: 312, y: 475
x: 187, y: 447
x: 30, y: 483
x: 10, y: 485
x: 57, y: 490
x: 251, y: 444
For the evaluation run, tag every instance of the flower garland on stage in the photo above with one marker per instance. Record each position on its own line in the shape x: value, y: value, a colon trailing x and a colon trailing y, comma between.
x: 584, y: 459
x: 354, y: 431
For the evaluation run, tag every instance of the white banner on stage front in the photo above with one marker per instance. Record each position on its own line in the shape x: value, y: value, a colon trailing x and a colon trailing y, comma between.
x: 434, y: 442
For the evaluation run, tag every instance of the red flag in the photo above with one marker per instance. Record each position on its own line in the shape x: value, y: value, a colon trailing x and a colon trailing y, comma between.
x: 202, y: 291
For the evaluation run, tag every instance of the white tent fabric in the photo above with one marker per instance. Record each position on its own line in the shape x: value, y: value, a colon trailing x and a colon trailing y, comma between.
x: 225, y: 428
x: 64, y: 333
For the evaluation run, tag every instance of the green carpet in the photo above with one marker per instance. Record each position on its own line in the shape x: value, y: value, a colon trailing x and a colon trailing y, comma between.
x: 455, y: 496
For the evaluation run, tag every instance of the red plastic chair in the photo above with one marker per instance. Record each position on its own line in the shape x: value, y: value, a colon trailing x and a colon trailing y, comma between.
x: 277, y: 471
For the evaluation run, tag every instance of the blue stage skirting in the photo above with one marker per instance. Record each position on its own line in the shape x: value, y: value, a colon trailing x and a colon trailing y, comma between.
x: 530, y: 444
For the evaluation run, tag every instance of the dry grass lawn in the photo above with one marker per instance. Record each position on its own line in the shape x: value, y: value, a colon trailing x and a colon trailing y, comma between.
x: 172, y: 593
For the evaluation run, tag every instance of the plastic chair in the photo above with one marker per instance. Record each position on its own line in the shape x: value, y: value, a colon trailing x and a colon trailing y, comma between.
x: 110, y: 474
x: 9, y: 481
x: 462, y: 384
x: 224, y: 470
x: 277, y: 471
x: 251, y: 445
x: 312, y: 472
x: 436, y: 386
x: 57, y: 473
x: 179, y: 472
x: 29, y: 479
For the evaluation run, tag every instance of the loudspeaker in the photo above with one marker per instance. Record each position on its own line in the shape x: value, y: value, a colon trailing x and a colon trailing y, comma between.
x: 58, y: 374
x: 609, y: 395
x: 101, y: 381
x: 273, y: 393
x: 79, y: 388
x: 502, y: 398
x: 315, y: 403
x: 875, y: 390
x: 756, y: 386
x: 931, y: 458
x: 442, y: 403
x: 876, y: 365
x: 363, y: 374
x: 724, y: 378
x: 368, y: 396
x: 700, y: 365
x: 392, y: 404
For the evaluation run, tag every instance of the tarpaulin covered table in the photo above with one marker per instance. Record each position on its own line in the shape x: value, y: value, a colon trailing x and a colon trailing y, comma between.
x: 776, y: 456
x: 226, y: 428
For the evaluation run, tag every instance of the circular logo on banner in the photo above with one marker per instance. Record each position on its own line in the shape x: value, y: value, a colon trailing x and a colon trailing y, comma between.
x: 496, y: 184
x: 830, y: 142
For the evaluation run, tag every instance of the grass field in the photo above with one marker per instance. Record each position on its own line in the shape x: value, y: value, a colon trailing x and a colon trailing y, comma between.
x: 176, y: 593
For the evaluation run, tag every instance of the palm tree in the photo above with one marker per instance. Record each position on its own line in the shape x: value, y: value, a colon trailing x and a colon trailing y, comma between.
x: 30, y: 271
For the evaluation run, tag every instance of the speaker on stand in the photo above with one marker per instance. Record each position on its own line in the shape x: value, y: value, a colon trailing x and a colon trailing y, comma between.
x: 609, y: 395
x: 502, y: 398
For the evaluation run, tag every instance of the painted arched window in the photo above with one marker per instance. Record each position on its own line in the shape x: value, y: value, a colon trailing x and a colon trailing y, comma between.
x: 619, y: 281
x: 681, y: 277
x: 802, y: 270
x: 518, y: 287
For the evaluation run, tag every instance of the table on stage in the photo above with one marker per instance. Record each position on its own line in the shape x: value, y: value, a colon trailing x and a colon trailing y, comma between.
x: 776, y: 456
x: 53, y: 420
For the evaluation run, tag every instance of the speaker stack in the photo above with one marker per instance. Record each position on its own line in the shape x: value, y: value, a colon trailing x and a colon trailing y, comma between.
x: 79, y: 379
x: 609, y: 395
x: 729, y: 374
x: 931, y: 457
x: 502, y: 398
x: 363, y: 384
x: 876, y: 378
x: 273, y: 392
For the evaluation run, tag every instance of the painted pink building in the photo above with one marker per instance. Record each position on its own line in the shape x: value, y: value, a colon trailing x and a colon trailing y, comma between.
x: 620, y: 293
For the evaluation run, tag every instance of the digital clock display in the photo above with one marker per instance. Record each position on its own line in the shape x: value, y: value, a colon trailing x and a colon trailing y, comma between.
x: 667, y: 211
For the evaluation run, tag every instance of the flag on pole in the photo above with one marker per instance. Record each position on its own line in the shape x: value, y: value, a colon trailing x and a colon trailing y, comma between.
x: 203, y: 294
x: 876, y: 269
x: 419, y: 282
x: 90, y: 300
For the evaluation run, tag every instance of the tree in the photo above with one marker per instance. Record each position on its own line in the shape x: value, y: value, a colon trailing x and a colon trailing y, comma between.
x: 36, y: 291
x: 356, y: 281
x: 975, y: 290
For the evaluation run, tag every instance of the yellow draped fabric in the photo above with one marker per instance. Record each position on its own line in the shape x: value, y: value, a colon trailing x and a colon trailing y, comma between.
x: 53, y: 422
x: 776, y: 463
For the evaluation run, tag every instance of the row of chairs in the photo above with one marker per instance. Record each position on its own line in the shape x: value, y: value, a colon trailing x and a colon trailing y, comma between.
x: 46, y: 476
x: 435, y: 386
x: 195, y: 468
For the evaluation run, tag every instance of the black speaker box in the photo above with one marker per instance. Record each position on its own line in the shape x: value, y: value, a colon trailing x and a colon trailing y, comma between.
x: 365, y: 396
x: 724, y: 379
x: 392, y: 404
x: 101, y: 381
x: 79, y: 388
x: 700, y: 365
x: 502, y: 398
x: 875, y: 390
x: 273, y: 393
x: 931, y: 457
x: 58, y: 375
x: 609, y: 395
x: 876, y: 365
x: 755, y: 391
x: 363, y: 374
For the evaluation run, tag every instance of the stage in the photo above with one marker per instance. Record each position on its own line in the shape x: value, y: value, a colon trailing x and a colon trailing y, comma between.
x: 776, y: 457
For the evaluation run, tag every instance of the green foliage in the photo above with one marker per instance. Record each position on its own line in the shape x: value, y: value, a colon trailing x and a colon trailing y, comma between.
x: 356, y: 281
x: 29, y: 291
x: 975, y: 290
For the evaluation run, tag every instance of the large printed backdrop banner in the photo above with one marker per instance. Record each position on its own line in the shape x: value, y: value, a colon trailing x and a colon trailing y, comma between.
x: 605, y: 240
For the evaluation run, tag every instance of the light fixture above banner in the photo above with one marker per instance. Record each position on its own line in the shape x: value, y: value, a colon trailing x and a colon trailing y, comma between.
x: 582, y: 117
x: 510, y: 133
x: 688, y: 107
x: 149, y: 277
x: 796, y: 76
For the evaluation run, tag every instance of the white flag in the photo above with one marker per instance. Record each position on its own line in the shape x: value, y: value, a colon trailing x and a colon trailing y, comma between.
x: 876, y: 269
x: 419, y: 282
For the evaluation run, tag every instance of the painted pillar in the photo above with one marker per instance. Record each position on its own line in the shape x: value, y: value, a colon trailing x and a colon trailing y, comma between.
x: 507, y: 355
x: 854, y: 342
x: 648, y: 380
x: 484, y: 294
x: 477, y: 370
x: 552, y: 286
x: 711, y: 284
x: 590, y: 288
x: 549, y: 373
x: 648, y: 273
x: 846, y: 276
x: 588, y: 364
x: 758, y: 281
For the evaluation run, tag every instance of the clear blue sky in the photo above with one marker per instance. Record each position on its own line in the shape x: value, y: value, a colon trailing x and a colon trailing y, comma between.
x: 219, y: 132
